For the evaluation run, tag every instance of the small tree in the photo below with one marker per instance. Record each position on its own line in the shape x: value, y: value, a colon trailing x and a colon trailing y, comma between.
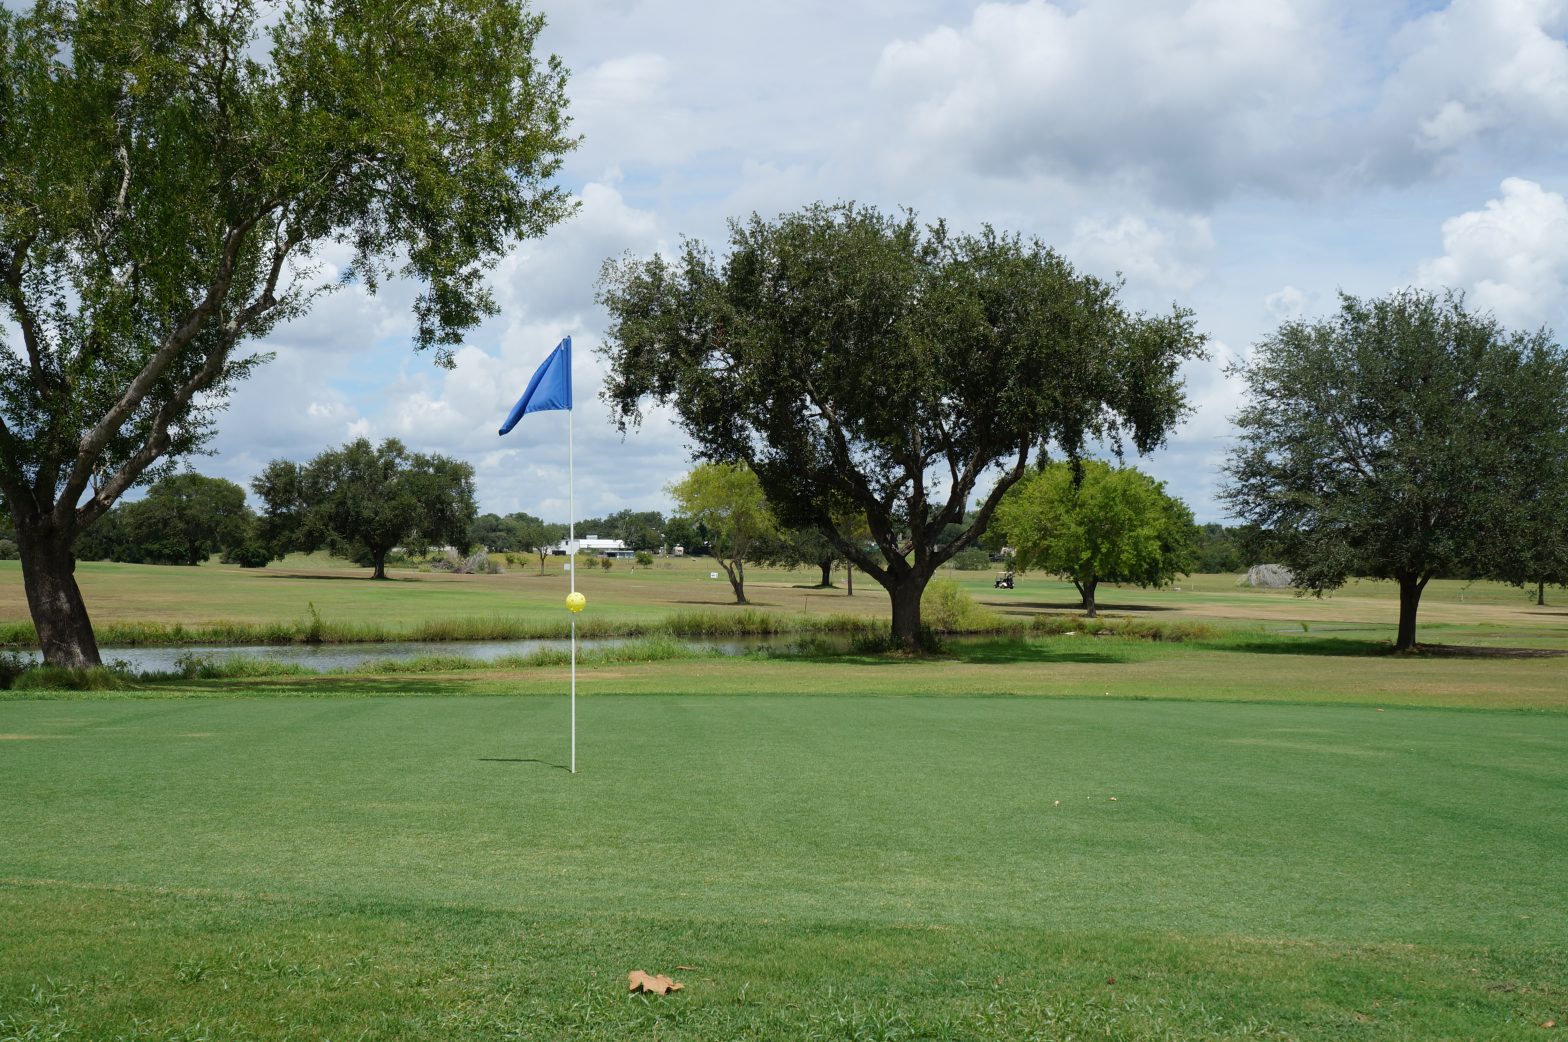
x: 727, y: 500
x: 798, y: 547
x: 1398, y: 439
x: 1116, y: 525
x: 362, y: 501
x: 846, y: 356
x: 537, y: 536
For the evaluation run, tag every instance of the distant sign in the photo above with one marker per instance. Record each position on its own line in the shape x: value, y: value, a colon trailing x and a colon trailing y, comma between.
x: 713, y: 575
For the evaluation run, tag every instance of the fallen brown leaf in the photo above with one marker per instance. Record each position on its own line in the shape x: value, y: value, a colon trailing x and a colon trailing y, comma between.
x: 685, y: 967
x: 637, y: 981
x: 1549, y: 1024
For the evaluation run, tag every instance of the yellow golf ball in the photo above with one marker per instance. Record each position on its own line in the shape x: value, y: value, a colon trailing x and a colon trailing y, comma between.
x: 576, y: 602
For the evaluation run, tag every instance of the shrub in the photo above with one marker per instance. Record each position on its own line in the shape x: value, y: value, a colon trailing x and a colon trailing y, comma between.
x: 251, y: 555
x: 12, y: 666
x: 644, y: 559
x: 946, y: 608
x: 972, y: 559
x: 9, y: 550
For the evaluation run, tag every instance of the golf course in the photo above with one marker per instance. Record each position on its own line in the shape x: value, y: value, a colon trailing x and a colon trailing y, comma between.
x: 1216, y: 812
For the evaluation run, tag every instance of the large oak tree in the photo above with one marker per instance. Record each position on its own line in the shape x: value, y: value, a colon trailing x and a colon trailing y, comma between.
x: 1400, y: 439
x: 168, y: 170
x: 853, y: 357
x: 364, y: 501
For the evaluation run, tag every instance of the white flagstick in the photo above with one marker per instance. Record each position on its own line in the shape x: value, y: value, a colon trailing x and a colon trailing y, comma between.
x: 571, y: 537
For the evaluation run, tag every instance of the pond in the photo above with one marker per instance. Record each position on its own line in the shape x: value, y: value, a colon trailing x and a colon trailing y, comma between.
x: 326, y: 657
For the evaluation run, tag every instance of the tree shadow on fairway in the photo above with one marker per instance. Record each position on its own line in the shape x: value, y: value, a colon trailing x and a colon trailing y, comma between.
x: 1340, y: 647
x: 509, y: 759
x: 1072, y: 607
x: 343, y: 578
x: 1021, y: 652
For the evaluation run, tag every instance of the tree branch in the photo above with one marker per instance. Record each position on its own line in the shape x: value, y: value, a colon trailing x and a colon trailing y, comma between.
x: 983, y: 515
x: 24, y: 313
x: 92, y: 443
x: 859, y: 490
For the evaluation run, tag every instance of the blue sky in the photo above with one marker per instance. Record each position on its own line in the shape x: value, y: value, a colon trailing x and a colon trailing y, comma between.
x: 1246, y: 158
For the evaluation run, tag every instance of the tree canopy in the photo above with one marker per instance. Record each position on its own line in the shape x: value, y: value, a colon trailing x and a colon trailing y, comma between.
x: 1398, y: 439
x: 853, y: 357
x: 363, y: 501
x: 1102, y: 524
x: 727, y: 500
x: 174, y: 176
x: 186, y: 517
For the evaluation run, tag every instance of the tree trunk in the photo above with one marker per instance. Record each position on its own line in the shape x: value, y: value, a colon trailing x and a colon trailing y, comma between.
x: 380, y: 559
x: 849, y: 580
x: 64, y: 631
x: 736, y: 570
x: 1540, y: 594
x: 827, y: 574
x: 1409, y: 600
x: 905, y: 592
x: 1086, y: 591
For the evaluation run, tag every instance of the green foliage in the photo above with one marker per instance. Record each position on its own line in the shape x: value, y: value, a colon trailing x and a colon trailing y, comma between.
x: 848, y: 357
x: 1220, y: 548
x: 1100, y: 524
x: 169, y: 175
x: 8, y: 550
x: 184, y: 518
x: 68, y: 678
x: 644, y: 559
x: 972, y: 559
x: 947, y: 608
x: 365, y: 500
x: 1403, y: 438
x: 250, y: 555
x: 726, y: 499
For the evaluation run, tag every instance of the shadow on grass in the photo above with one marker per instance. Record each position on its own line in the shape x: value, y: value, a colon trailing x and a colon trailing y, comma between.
x: 507, y: 759
x: 1077, y: 606
x: 342, y: 578
x: 1341, y: 647
x: 1020, y: 652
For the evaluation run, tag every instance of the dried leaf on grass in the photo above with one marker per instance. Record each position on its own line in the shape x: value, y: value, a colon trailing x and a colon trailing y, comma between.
x: 637, y: 981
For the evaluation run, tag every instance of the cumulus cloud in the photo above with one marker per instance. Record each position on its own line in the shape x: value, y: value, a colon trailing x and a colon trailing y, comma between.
x: 1510, y: 256
x: 1199, y: 100
x: 1479, y: 67
x: 1185, y: 100
x: 1286, y: 304
x: 1164, y: 255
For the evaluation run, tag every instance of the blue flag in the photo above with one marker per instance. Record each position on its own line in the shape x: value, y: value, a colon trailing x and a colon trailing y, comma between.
x: 551, y: 387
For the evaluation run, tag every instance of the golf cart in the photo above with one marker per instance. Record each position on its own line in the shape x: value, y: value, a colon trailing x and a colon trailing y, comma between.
x: 1004, y: 581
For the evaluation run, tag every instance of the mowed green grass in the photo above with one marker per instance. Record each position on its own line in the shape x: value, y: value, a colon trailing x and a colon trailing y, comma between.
x: 908, y: 865
x: 286, y: 593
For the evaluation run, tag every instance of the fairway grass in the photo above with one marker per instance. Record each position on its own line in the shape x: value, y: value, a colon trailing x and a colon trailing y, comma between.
x: 316, y: 597
x: 934, y: 862
x: 1272, y: 829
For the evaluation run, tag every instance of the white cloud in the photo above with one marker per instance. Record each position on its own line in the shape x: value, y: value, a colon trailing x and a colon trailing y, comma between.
x: 1200, y: 100
x: 1510, y: 256
x: 1168, y: 255
x: 1184, y: 100
x: 1480, y: 67
x: 1286, y: 304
